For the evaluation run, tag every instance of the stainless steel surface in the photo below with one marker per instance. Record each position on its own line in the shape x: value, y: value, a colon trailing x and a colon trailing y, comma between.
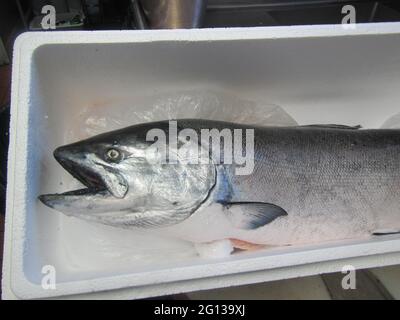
x: 274, y: 4
x: 3, y: 54
x: 174, y: 14
x: 252, y: 13
x: 138, y: 15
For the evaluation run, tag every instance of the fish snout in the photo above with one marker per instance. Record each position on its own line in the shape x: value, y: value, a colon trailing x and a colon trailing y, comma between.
x: 68, y: 155
x: 47, y: 199
x: 63, y: 153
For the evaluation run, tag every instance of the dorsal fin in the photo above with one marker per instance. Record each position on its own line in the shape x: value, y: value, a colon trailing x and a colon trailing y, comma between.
x: 332, y: 126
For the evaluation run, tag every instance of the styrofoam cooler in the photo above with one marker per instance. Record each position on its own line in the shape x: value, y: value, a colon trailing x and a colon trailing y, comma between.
x: 318, y: 74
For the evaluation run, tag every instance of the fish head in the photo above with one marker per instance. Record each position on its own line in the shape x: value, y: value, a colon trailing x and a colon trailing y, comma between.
x: 121, y: 176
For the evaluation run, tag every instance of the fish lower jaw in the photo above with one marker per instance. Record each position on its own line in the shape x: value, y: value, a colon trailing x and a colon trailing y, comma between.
x: 85, y: 191
x: 64, y: 201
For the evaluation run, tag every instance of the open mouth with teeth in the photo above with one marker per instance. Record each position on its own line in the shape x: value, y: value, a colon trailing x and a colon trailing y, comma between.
x: 97, y: 179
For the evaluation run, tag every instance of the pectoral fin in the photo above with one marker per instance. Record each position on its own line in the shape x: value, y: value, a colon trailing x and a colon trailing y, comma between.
x: 252, y: 215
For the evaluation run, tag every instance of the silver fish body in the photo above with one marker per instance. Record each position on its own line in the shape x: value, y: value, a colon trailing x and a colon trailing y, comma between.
x: 309, y: 184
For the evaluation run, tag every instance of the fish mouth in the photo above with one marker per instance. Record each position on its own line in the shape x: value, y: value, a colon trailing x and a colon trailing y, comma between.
x: 90, y: 178
x: 75, y: 164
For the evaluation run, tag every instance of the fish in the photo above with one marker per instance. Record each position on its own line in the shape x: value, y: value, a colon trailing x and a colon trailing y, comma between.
x: 308, y: 184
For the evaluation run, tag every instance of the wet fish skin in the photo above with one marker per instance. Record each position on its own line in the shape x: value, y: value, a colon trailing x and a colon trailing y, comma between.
x: 329, y: 182
x: 333, y: 183
x: 131, y: 191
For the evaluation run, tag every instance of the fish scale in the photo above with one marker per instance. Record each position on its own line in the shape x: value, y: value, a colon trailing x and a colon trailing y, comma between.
x: 309, y: 184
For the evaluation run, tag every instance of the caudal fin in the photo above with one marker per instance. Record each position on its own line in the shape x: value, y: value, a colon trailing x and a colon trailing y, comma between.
x: 384, y: 232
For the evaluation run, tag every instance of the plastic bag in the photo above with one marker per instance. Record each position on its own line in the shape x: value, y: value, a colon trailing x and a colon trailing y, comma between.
x: 95, y: 118
x: 117, y: 247
x: 392, y: 123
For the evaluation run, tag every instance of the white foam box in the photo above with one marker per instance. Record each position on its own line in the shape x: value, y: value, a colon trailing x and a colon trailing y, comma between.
x: 318, y: 74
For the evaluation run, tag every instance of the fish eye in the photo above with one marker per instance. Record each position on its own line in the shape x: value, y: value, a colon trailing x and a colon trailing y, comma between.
x: 113, y: 155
